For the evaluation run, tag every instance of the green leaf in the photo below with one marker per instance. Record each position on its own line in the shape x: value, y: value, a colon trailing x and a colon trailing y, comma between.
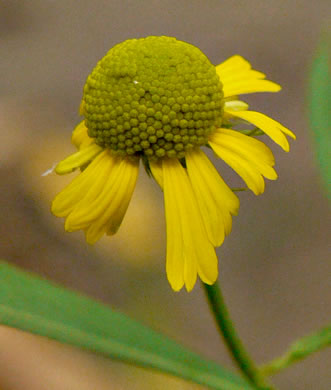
x: 30, y: 303
x: 320, y: 103
x: 300, y: 350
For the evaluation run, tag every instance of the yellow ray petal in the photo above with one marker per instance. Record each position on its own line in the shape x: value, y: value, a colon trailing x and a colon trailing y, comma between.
x: 94, y: 203
x: 197, y: 253
x: 215, y: 199
x: 253, y: 151
x: 245, y: 86
x: 271, y: 127
x: 235, y: 63
x: 238, y: 77
x: 157, y: 172
x: 81, y: 214
x: 252, y: 178
x: 80, y: 137
x: 247, y: 74
x: 77, y: 159
x: 236, y: 105
x: 116, y: 202
x: 69, y: 197
x: 249, y: 157
x: 175, y: 255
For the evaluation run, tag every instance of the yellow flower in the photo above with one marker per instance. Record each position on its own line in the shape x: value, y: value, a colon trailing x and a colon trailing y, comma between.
x: 160, y: 100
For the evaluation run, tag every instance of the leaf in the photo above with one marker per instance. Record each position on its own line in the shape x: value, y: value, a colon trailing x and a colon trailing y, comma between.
x: 300, y: 350
x: 30, y: 303
x: 319, y: 105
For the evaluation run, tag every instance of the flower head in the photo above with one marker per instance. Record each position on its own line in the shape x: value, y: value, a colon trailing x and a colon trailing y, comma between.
x: 159, y: 100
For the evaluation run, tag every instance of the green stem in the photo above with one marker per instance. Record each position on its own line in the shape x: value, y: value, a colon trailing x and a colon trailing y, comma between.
x: 275, y: 365
x: 299, y: 350
x: 231, y: 338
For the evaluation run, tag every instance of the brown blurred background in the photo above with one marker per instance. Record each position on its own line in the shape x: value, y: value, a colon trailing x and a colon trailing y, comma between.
x: 274, y: 267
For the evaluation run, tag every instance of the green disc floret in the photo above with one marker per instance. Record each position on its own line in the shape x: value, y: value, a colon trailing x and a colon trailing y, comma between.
x: 153, y: 96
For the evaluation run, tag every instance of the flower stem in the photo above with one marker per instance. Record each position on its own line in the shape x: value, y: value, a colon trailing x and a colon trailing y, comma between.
x: 231, y: 338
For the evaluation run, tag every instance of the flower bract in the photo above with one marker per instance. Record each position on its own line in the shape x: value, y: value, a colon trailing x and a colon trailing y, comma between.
x: 159, y: 101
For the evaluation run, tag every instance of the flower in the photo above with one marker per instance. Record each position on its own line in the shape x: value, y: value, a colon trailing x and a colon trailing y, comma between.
x: 159, y: 100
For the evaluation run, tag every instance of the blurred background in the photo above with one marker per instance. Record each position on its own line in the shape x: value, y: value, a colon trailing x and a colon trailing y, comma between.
x: 274, y: 266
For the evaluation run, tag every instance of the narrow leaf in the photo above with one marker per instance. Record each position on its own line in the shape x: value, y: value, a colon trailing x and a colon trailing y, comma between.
x: 30, y: 303
x: 319, y: 105
x: 300, y: 350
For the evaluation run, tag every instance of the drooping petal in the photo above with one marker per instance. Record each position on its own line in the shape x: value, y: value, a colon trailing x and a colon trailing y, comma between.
x: 78, y: 159
x: 69, y: 197
x: 238, y: 77
x: 189, y: 251
x: 272, y: 128
x: 104, y: 198
x: 115, y: 202
x: 157, y: 172
x: 259, y: 154
x: 86, y: 209
x: 175, y: 261
x: 215, y: 199
x: 250, y: 158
